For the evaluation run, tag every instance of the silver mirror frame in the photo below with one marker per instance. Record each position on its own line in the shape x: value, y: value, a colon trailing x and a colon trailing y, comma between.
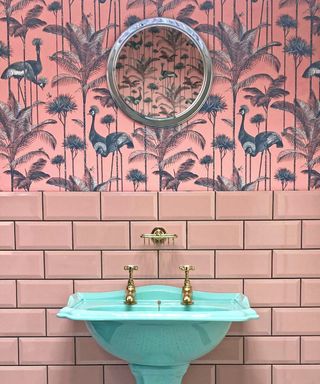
x: 207, y: 77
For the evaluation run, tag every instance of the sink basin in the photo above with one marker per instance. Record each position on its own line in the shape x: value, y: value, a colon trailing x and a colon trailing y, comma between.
x: 158, y: 336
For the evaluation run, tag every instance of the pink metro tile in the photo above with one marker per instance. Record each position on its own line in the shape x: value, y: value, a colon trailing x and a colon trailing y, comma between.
x: 296, y: 374
x: 273, y: 292
x: 6, y: 235
x: 101, y: 235
x: 244, y: 374
x: 311, y: 234
x: 43, y: 235
x: 73, y: 264
x: 114, y: 262
x: 20, y: 206
x: 43, y: 293
x: 272, y: 234
x: 173, y: 227
x: 7, y: 293
x: 296, y: 321
x: 115, y: 374
x: 186, y: 206
x: 310, y: 292
x: 89, y: 352
x: 200, y: 374
x: 229, y: 351
x: 21, y: 264
x: 74, y: 374
x: 22, y: 322
x: 64, y: 327
x: 169, y: 262
x: 310, y: 349
x: 300, y: 263
x: 243, y: 264
x: 296, y: 205
x: 129, y: 206
x: 25, y: 375
x: 46, y: 350
x: 215, y: 235
x: 8, y: 351
x: 71, y: 205
x: 244, y: 205
x: 262, y: 327
x: 272, y: 350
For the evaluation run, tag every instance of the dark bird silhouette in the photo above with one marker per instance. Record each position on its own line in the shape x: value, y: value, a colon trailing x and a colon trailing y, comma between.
x: 313, y: 70
x: 165, y: 74
x: 114, y: 142
x: 98, y: 142
x: 261, y: 143
x: 36, y: 65
x: 135, y: 100
x: 18, y: 71
x: 247, y: 142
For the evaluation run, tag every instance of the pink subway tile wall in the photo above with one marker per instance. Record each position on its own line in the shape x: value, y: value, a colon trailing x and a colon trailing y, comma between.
x: 263, y: 244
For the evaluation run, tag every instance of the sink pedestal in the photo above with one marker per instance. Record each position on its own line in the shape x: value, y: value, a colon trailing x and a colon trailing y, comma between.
x: 158, y: 375
x: 145, y: 374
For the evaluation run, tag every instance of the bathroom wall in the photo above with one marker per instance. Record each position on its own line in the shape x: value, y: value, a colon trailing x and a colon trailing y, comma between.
x: 291, y: 28
x: 265, y: 244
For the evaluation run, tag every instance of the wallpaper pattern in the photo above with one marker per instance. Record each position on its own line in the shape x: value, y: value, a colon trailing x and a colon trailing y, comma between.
x: 258, y: 130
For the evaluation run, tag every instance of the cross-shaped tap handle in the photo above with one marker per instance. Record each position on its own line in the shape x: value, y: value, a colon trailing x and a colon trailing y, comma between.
x: 187, y: 268
x: 130, y: 268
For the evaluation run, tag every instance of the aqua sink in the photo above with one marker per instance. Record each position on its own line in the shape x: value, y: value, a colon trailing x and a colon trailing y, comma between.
x: 158, y: 336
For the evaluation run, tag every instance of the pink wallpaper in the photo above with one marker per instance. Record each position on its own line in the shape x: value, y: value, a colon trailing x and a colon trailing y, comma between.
x: 265, y: 69
x: 264, y: 244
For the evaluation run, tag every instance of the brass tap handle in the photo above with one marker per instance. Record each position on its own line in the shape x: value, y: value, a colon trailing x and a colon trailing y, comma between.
x: 187, y: 269
x: 130, y: 268
x: 130, y: 297
x: 187, y: 288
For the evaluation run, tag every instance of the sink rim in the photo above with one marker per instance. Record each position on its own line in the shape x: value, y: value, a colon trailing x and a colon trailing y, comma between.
x: 76, y: 308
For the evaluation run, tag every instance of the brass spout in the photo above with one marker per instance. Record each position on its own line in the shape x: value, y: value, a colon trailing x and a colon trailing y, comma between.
x: 130, y: 298
x: 187, y: 288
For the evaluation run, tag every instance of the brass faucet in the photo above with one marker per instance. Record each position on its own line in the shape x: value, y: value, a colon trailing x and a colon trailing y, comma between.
x: 130, y: 298
x: 187, y: 288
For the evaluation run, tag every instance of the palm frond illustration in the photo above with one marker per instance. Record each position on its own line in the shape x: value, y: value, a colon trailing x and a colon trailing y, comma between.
x: 160, y: 143
x: 33, y: 174
x: 171, y: 101
x: 17, y: 134
x: 234, y: 183
x: 237, y: 58
x: 305, y: 136
x: 86, y: 184
x: 82, y: 63
x: 183, y: 174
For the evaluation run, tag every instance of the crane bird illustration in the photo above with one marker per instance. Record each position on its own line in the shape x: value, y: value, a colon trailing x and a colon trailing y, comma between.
x: 98, y: 142
x: 165, y: 74
x: 20, y: 70
x: 261, y: 143
x: 313, y: 70
x: 247, y: 142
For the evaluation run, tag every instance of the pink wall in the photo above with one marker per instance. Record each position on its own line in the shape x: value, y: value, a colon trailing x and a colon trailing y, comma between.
x: 250, y: 13
x: 264, y: 244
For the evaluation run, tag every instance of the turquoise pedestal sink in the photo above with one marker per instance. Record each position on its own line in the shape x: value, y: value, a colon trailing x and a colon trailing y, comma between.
x: 158, y: 336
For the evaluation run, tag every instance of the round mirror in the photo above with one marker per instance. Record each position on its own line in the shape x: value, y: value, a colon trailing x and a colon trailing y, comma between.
x: 160, y: 72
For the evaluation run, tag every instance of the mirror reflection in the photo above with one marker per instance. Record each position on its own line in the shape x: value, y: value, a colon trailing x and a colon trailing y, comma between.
x: 159, y: 72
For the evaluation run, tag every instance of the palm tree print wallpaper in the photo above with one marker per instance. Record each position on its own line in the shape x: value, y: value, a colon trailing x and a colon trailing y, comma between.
x: 258, y: 130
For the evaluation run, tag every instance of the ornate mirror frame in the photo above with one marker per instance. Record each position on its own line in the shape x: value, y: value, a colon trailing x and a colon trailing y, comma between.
x: 207, y: 76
